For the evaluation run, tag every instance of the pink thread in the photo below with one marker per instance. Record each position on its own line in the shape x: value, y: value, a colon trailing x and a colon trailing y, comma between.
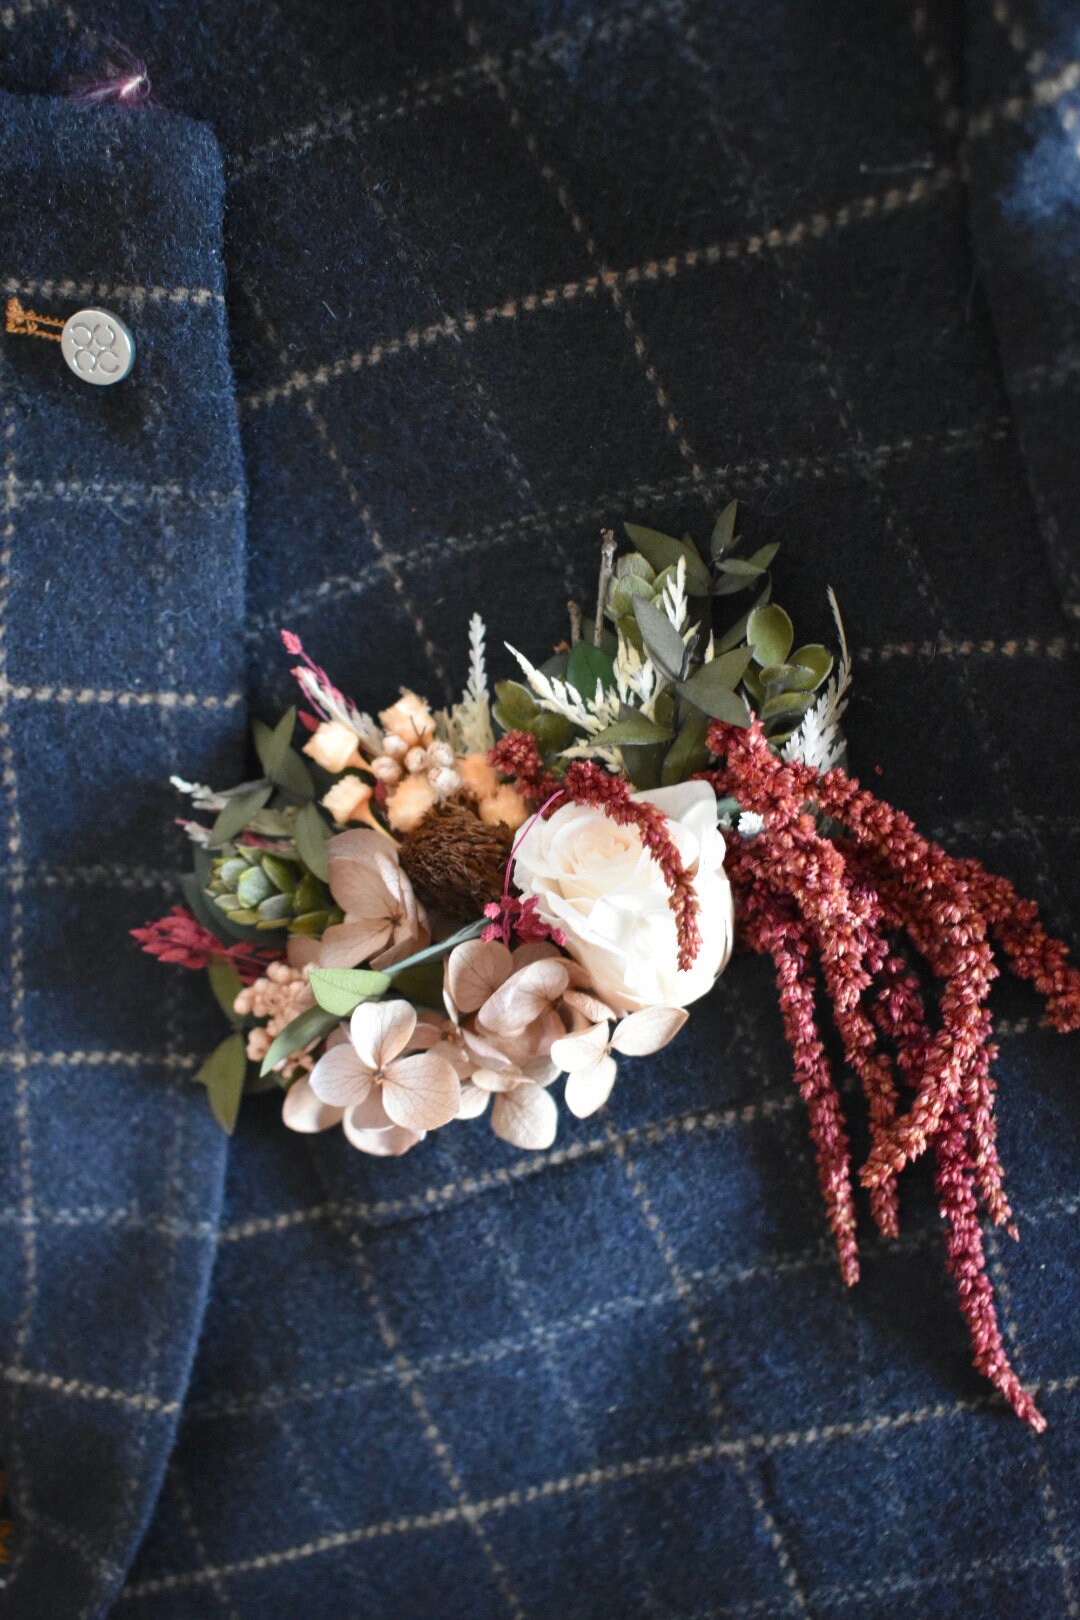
x: 127, y: 83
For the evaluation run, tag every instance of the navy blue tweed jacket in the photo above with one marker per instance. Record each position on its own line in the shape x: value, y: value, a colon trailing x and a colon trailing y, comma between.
x: 424, y: 296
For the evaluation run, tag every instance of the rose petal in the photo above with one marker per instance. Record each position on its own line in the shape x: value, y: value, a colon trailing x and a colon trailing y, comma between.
x: 526, y: 1117
x: 390, y: 1143
x: 473, y: 1101
x: 379, y: 1030
x: 303, y: 1111
x: 350, y: 943
x: 589, y: 1089
x: 475, y: 970
x: 340, y: 1078
x: 421, y: 1092
x: 647, y: 1031
x: 580, y: 1051
x: 524, y: 997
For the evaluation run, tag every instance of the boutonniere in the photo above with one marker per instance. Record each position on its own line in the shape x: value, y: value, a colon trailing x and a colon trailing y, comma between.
x: 425, y: 918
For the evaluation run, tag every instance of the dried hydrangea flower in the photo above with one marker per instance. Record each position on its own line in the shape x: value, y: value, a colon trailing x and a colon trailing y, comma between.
x: 384, y: 921
x: 587, y: 1055
x: 379, y: 1077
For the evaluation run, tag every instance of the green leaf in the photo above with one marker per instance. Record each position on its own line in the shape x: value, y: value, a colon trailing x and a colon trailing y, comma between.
x: 635, y: 730
x: 515, y: 706
x: 762, y: 559
x: 553, y: 732
x: 815, y: 658
x: 769, y: 632
x: 687, y: 753
x: 663, y: 551
x: 311, y: 833
x: 305, y: 1027
x: 238, y: 812
x: 223, y: 1075
x: 272, y: 746
x: 226, y: 984
x: 587, y: 665
x: 786, y: 706
x: 423, y: 985
x: 725, y: 670
x: 710, y: 689
x: 663, y: 643
x: 341, y: 990
x: 723, y: 535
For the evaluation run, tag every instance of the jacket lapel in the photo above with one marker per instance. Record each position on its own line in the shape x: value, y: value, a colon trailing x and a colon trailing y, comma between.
x: 121, y: 661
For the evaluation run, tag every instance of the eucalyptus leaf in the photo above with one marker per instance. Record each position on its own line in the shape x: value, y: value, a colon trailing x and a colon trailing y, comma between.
x: 710, y: 690
x: 723, y: 535
x: 272, y: 745
x: 786, y: 706
x: 688, y: 753
x: 311, y: 833
x: 586, y: 666
x: 341, y: 990
x: 515, y: 706
x: 226, y: 984
x: 223, y: 1074
x: 634, y: 731
x: 763, y: 557
x: 238, y: 812
x: 664, y: 551
x: 306, y: 1027
x: 663, y: 642
x: 422, y: 985
x: 817, y: 659
x: 770, y: 633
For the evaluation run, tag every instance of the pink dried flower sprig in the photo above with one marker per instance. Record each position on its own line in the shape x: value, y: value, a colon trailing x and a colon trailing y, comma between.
x: 180, y: 938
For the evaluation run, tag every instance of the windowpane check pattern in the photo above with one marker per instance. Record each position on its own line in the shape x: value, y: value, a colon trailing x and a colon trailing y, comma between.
x: 424, y: 297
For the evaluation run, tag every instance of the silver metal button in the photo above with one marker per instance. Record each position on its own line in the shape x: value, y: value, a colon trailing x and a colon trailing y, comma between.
x: 97, y: 346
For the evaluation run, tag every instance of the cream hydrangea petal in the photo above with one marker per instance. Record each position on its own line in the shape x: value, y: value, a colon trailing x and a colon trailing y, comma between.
x: 595, y: 1010
x: 473, y: 1101
x: 379, y: 1030
x: 387, y: 1144
x: 524, y: 997
x: 580, y: 1051
x: 647, y: 1031
x: 303, y: 1111
x: 370, y: 1115
x: 348, y: 944
x: 475, y: 970
x: 526, y: 1117
x: 589, y: 1089
x: 421, y: 1092
x: 497, y: 1079
x: 341, y: 1078
x: 534, y: 950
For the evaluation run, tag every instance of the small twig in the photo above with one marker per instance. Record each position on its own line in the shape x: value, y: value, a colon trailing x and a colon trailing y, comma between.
x: 574, y: 610
x: 607, y: 568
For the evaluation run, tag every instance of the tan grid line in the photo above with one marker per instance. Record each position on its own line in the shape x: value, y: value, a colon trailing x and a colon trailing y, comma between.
x: 82, y: 696
x: 112, y: 292
x: 433, y: 92
x: 684, y: 1291
x: 1044, y: 93
x: 509, y: 1175
x: 99, y: 1058
x: 937, y: 67
x: 1048, y: 375
x: 186, y: 1511
x: 1047, y: 1497
x: 809, y: 228
x: 672, y: 424
x: 73, y: 1541
x: 80, y: 1389
x: 1053, y: 647
x: 949, y: 1574
x: 761, y: 1444
x: 758, y: 472
x: 409, y: 1384
x: 12, y: 15
x: 124, y: 495
x: 374, y: 537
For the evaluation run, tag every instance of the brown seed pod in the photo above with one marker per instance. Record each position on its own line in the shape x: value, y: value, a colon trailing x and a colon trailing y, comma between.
x: 455, y: 861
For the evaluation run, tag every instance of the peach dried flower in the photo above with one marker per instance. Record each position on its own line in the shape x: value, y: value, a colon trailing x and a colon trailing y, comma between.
x: 410, y: 719
x: 333, y: 745
x: 505, y: 806
x: 349, y: 800
x: 409, y: 803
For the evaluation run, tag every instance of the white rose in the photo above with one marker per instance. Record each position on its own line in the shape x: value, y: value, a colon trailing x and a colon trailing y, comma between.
x: 596, y: 882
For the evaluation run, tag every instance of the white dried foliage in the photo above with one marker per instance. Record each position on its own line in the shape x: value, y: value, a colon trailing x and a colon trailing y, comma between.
x: 819, y: 742
x: 467, y: 726
x: 558, y: 697
x: 201, y: 796
x: 332, y: 705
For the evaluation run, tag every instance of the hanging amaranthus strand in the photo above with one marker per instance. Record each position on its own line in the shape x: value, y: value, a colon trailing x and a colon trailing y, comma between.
x: 860, y: 899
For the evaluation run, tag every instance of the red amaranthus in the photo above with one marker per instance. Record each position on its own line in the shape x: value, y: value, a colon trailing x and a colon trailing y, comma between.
x: 867, y: 900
